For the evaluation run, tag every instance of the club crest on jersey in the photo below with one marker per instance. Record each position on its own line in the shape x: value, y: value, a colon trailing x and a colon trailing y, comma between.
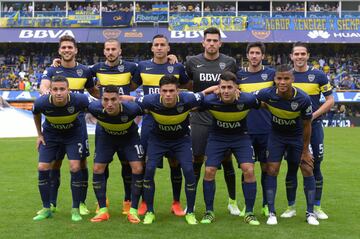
x: 170, y: 69
x: 124, y: 118
x: 240, y: 106
x: 80, y: 72
x: 180, y: 109
x: 294, y: 105
x: 71, y: 109
x: 264, y: 76
x: 308, y: 109
x: 311, y: 77
x: 121, y: 68
x: 222, y: 65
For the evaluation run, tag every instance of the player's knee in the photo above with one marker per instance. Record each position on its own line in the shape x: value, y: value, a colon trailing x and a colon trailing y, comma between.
x: 210, y: 173
x: 74, y: 168
x: 272, y: 171
x: 306, y: 170
x: 248, y: 172
x: 83, y: 163
x: 98, y: 168
x: 199, y: 158
x: 137, y: 168
x: 43, y: 166
x: 173, y: 162
x: 56, y: 164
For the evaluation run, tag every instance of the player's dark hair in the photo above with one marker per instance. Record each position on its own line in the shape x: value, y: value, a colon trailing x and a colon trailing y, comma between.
x: 256, y: 44
x: 228, y: 76
x: 59, y: 78
x: 160, y: 36
x: 300, y: 44
x: 212, y: 30
x: 111, y: 89
x: 169, y: 79
x: 284, y: 68
x: 113, y: 40
x: 67, y: 38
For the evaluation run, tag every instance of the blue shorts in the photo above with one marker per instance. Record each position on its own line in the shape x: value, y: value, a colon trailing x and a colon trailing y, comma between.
x: 159, y: 147
x: 128, y: 148
x: 259, y: 143
x: 68, y: 142
x: 146, y: 127
x: 279, y: 144
x: 219, y: 145
x: 317, y: 140
x: 84, y: 141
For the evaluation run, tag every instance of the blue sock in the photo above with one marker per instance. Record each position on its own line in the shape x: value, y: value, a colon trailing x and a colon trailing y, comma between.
x: 209, y: 194
x: 263, y: 186
x: 149, y: 188
x: 99, y: 185
x: 106, y: 172
x: 291, y: 183
x: 318, y: 182
x: 309, y: 189
x: 84, y: 184
x: 271, y: 185
x: 197, y: 171
x: 249, y: 190
x: 126, y: 175
x: 230, y: 179
x: 176, y: 181
x: 190, y: 187
x: 44, y: 187
x: 76, y: 188
x: 54, y: 185
x: 136, y: 189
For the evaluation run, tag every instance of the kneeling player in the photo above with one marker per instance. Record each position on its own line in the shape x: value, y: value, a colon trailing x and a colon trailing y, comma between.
x: 116, y: 132
x: 229, y: 133
x: 61, y: 128
x: 291, y: 131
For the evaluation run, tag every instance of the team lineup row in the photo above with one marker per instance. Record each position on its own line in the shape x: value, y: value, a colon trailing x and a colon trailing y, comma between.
x: 289, y: 113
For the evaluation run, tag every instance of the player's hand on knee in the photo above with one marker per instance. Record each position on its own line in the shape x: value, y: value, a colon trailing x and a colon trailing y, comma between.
x: 307, y: 159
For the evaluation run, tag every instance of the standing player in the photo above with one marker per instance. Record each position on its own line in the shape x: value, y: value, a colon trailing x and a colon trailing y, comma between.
x: 79, y: 78
x: 117, y: 132
x: 61, y: 129
x: 204, y: 70
x: 229, y: 133
x: 149, y: 75
x: 117, y: 72
x: 252, y: 79
x: 291, y: 113
x: 314, y: 83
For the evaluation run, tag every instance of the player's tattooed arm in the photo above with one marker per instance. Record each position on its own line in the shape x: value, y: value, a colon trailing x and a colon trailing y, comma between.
x: 40, y: 139
x: 306, y: 156
x: 324, y: 108
x: 45, y: 87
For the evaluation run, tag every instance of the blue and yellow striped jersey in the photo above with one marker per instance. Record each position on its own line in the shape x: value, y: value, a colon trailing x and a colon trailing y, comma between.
x: 149, y: 74
x: 258, y: 121
x: 61, y: 119
x: 313, y: 82
x: 80, y: 77
x: 172, y: 122
x: 120, y: 75
x: 120, y: 125
x: 287, y: 115
x: 230, y: 118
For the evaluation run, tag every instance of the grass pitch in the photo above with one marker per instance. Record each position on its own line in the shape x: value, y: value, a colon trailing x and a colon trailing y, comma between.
x: 20, y: 200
